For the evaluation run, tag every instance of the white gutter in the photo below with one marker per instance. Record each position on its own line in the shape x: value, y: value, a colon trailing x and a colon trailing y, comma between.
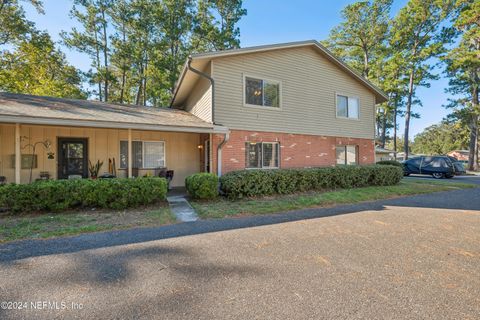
x: 109, y: 125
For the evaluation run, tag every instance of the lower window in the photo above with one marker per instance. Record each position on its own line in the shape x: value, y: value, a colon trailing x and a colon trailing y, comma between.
x: 262, y: 154
x: 145, y: 154
x: 346, y: 155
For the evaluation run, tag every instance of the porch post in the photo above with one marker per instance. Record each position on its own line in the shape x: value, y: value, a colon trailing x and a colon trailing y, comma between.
x: 17, y: 153
x: 130, y: 153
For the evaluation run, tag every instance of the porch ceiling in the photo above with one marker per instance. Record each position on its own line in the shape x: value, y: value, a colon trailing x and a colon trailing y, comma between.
x: 20, y: 108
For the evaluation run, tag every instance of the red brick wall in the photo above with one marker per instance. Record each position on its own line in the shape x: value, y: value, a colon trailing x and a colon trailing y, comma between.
x: 296, y: 150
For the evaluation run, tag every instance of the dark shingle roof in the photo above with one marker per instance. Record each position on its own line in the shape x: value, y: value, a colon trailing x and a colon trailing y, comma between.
x: 29, y: 106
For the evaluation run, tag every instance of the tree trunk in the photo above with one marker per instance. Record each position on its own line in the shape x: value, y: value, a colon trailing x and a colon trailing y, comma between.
x: 366, y: 69
x: 473, y: 145
x: 124, y: 67
x: 105, y: 53
x: 145, y: 81
x: 140, y: 86
x: 383, y: 135
x: 97, y: 57
x: 395, y: 112
x: 408, y: 111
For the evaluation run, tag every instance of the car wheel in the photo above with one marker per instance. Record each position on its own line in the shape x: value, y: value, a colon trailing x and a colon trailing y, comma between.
x: 438, y: 175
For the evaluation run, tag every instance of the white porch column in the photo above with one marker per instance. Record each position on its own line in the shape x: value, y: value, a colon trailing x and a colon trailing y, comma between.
x: 130, y: 153
x: 17, y: 153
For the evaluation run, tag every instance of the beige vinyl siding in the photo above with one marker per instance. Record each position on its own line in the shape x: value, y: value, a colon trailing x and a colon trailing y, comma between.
x: 181, y: 149
x: 309, y: 84
x: 199, y: 102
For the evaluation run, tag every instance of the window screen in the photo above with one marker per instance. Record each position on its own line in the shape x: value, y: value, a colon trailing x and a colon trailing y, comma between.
x: 342, y: 102
x: 254, y: 91
x: 347, y: 107
x: 262, y: 154
x: 346, y: 155
x: 262, y: 92
x: 253, y: 155
x: 154, y: 154
x: 136, y: 154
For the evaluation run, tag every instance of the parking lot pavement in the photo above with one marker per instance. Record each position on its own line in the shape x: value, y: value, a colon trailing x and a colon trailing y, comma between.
x: 389, y: 260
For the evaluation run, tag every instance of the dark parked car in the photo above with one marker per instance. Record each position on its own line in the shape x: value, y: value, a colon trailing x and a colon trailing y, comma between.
x: 436, y: 166
x: 458, y: 166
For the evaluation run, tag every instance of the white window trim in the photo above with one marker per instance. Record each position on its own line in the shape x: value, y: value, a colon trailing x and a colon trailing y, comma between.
x: 280, y: 92
x: 143, y: 154
x: 348, y: 96
x: 261, y: 160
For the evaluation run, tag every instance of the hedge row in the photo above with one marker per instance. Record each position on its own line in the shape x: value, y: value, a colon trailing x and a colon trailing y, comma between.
x: 58, y: 195
x: 202, y: 185
x: 251, y: 183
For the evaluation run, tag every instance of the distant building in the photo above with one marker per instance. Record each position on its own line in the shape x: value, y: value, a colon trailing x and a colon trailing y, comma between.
x: 384, y: 154
x: 461, y: 155
x: 401, y: 156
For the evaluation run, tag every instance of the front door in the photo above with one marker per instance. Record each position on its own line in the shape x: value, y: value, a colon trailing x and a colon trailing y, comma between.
x: 72, y: 157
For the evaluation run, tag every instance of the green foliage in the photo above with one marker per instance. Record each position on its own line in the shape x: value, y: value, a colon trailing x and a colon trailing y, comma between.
x: 202, y: 185
x: 463, y: 69
x: 390, y: 163
x: 60, y: 195
x: 360, y: 38
x: 251, y: 183
x: 440, y: 139
x: 14, y: 26
x: 417, y: 30
x: 137, y: 47
x: 36, y: 67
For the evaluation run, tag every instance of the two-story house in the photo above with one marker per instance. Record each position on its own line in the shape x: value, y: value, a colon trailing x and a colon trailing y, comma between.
x: 277, y: 106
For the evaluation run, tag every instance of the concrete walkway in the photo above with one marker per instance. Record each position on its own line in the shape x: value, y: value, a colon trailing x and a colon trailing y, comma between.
x: 182, y: 210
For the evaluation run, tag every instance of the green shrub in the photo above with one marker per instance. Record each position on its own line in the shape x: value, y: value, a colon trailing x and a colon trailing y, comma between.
x: 59, y: 195
x: 251, y: 183
x: 390, y: 163
x: 202, y: 185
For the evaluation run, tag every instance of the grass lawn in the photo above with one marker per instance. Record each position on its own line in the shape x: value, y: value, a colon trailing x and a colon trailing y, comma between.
x: 223, y: 208
x: 45, y: 225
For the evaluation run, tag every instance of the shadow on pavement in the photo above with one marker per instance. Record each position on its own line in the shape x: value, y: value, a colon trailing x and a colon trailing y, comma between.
x: 465, y: 199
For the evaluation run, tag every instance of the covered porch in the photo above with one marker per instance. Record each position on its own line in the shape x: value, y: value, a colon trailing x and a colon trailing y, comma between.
x: 63, y: 136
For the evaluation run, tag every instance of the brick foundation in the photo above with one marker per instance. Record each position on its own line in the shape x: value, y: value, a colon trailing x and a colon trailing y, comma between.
x: 296, y: 150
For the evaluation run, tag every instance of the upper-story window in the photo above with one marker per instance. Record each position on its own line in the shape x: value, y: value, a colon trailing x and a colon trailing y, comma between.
x: 264, y: 93
x: 347, y: 107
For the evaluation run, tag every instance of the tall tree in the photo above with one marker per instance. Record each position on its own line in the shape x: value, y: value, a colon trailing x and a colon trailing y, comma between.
x: 92, y: 40
x: 463, y: 69
x: 439, y: 139
x: 35, y: 66
x: 178, y: 17
x: 122, y: 50
x: 215, y: 25
x: 417, y: 29
x: 360, y: 38
x: 14, y: 26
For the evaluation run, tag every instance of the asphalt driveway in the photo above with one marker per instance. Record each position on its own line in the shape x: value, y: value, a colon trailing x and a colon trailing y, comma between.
x: 416, y: 257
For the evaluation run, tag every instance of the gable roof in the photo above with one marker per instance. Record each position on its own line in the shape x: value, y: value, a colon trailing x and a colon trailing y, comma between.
x: 200, y: 61
x: 30, y: 109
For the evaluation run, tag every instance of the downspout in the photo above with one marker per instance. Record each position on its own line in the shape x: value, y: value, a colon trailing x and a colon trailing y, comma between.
x: 227, y: 135
x: 209, y: 78
x: 219, y: 153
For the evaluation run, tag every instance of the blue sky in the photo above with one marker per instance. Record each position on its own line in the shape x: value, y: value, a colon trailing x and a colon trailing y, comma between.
x: 267, y: 21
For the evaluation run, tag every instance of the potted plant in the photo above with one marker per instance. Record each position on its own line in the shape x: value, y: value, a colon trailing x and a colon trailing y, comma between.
x: 94, y: 168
